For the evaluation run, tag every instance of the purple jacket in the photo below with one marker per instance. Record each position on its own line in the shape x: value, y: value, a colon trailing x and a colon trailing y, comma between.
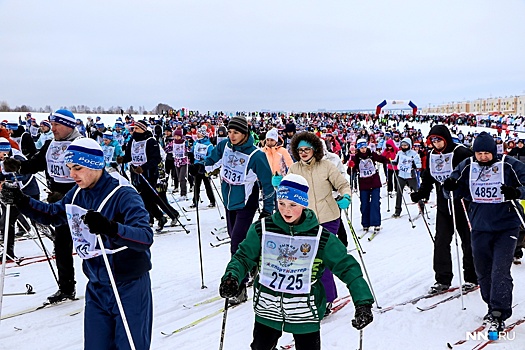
x: 373, y: 181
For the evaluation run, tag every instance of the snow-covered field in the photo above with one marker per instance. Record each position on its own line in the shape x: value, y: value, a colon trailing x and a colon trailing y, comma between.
x: 398, y: 260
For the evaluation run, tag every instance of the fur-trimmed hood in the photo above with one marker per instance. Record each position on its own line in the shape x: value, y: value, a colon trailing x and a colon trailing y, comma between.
x: 312, y: 139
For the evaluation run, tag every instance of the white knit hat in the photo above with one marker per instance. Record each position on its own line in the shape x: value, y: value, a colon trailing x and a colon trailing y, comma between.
x: 272, y: 134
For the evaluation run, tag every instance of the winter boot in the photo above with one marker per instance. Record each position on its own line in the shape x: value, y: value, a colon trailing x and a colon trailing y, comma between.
x: 438, y: 288
x: 240, y: 298
x: 61, y: 296
x: 496, y: 325
x: 211, y: 205
x: 163, y: 220
x: 468, y: 286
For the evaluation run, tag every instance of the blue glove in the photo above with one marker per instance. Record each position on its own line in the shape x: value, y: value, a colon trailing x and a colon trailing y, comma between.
x: 276, y: 180
x: 344, y: 202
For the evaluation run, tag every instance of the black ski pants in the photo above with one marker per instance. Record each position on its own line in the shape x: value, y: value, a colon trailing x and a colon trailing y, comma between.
x: 265, y: 338
x: 443, y: 240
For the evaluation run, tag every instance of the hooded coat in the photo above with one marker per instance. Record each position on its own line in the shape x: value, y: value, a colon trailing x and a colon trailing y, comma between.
x: 490, y: 216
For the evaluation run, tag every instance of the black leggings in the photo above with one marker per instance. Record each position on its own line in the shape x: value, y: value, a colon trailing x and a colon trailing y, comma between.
x: 265, y: 338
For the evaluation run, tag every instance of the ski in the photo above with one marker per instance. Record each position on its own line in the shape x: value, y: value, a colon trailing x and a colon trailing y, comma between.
x: 452, y: 297
x: 222, y: 239
x: 29, y: 291
x: 200, y: 320
x: 220, y: 243
x: 507, y: 329
x: 220, y: 229
x: 517, y: 261
x: 204, y: 302
x: 373, y: 235
x: 364, y: 234
x: 190, y: 210
x: 416, y: 299
x: 12, y: 274
x: 392, y: 217
x: 33, y: 309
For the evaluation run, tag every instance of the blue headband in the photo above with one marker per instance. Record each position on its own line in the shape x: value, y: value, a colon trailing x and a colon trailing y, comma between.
x: 304, y: 143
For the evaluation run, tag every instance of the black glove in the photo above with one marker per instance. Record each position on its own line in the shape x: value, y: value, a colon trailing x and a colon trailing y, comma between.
x: 114, y: 165
x: 229, y: 287
x: 120, y: 160
x: 99, y: 224
x: 416, y: 197
x: 12, y: 194
x: 510, y: 192
x: 450, y: 184
x: 363, y: 316
x: 11, y: 165
x: 54, y: 197
x: 214, y: 172
x: 264, y: 214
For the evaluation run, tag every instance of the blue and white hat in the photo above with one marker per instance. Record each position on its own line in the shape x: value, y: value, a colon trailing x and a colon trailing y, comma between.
x: 361, y: 143
x: 85, y: 152
x: 45, y: 123
x: 107, y: 135
x: 64, y: 117
x: 294, y: 188
x: 12, y: 126
x: 5, y: 146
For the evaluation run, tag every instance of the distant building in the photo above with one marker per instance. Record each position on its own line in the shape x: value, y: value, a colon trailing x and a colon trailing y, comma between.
x: 511, y: 105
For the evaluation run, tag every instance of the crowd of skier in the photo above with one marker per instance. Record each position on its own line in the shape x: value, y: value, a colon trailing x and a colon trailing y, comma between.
x: 297, y: 172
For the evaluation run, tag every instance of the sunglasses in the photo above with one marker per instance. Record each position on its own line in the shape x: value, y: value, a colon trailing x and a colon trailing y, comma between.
x: 304, y: 150
x: 436, y: 139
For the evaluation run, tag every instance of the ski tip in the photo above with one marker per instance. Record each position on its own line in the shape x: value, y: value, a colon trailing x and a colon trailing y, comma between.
x: 449, y: 346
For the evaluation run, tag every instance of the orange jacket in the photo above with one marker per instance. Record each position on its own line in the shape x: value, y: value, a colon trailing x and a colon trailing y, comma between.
x: 279, y: 159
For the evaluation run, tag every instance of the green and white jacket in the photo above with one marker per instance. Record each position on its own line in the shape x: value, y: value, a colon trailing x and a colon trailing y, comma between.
x: 292, y: 312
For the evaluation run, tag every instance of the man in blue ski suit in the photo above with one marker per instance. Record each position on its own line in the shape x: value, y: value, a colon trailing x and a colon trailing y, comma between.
x: 117, y: 213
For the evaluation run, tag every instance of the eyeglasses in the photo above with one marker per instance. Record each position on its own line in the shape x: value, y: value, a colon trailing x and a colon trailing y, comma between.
x: 436, y: 139
x: 304, y: 150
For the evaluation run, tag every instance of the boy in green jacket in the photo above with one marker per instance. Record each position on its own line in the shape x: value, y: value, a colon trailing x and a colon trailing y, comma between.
x: 292, y: 251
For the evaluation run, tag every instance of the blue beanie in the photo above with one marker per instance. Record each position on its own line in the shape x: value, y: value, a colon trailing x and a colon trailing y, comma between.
x: 294, y: 188
x: 85, y: 152
x: 12, y: 126
x: 107, y: 135
x: 64, y: 117
x: 5, y: 146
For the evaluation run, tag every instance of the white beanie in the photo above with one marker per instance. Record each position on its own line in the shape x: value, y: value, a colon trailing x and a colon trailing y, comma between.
x: 273, y: 134
x: 85, y: 152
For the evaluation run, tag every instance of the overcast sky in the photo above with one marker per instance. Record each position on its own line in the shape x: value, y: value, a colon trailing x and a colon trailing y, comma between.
x: 252, y: 55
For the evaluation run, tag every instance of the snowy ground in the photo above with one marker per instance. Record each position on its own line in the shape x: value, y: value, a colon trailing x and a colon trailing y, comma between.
x: 399, y: 262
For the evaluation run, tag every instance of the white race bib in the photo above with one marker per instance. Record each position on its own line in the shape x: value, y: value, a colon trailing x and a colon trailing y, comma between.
x: 200, y: 151
x: 366, y: 168
x: 178, y: 150
x: 287, y: 262
x: 138, y: 153
x: 56, y: 166
x: 234, y: 165
x: 485, y: 182
x: 441, y: 166
x: 108, y: 153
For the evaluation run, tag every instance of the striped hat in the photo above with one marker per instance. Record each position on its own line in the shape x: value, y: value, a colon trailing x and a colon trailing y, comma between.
x: 85, y: 152
x: 294, y: 188
x: 203, y: 130
x: 107, y: 135
x: 5, y: 146
x: 240, y: 124
x: 12, y: 126
x: 45, y: 123
x: 64, y: 117
x: 141, y: 124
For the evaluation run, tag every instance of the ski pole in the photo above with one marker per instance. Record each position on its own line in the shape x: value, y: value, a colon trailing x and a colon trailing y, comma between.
x: 115, y: 290
x: 360, y: 339
x: 223, y: 328
x: 46, y: 254
x: 4, y: 256
x: 403, y: 197
x: 166, y: 207
x: 358, y: 246
x: 178, y: 205
x: 466, y: 215
x: 456, y: 234
x: 217, y: 204
x: 196, y: 194
x: 421, y: 205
